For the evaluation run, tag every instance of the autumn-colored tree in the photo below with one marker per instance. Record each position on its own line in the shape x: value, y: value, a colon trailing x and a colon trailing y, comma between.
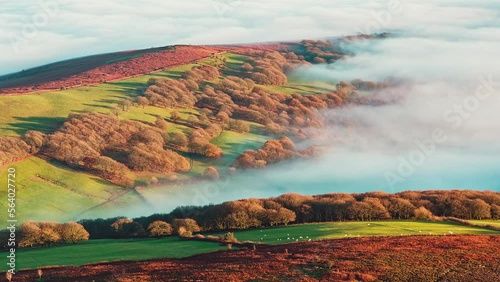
x: 281, y: 216
x: 142, y: 101
x: 175, y: 115
x: 319, y: 60
x: 223, y: 117
x: 422, y: 213
x: 126, y: 104
x: 34, y: 139
x: 49, y: 235
x: 246, y: 160
x: 161, y: 123
x: 239, y: 126
x: 274, y: 128
x: 212, y: 151
x: 127, y: 228
x: 185, y: 226
x: 154, y: 158
x: 495, y: 211
x: 179, y: 140
x: 211, y: 172
x: 73, y: 232
x: 30, y: 234
x: 109, y: 169
x: 246, y: 67
x: 478, y: 209
x: 401, y: 208
x: 159, y: 229
x: 12, y: 149
x: 153, y: 181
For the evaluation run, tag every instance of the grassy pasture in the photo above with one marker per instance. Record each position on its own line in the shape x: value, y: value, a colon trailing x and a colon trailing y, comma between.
x: 332, y: 230
x: 111, y: 250
x: 299, y: 85
x: 172, y: 247
x: 47, y: 190
x: 494, y: 222
x: 48, y: 110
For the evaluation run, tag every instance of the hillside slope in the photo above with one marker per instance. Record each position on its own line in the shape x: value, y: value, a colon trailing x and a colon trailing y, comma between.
x: 99, y: 68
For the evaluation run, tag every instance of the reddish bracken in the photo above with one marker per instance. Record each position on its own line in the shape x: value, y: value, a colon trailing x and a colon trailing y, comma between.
x: 111, y: 67
x: 143, y: 64
x: 412, y: 258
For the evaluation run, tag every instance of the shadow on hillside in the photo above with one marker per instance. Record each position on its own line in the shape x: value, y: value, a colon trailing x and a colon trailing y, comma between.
x: 171, y: 74
x: 130, y: 85
x: 232, y: 69
x: 43, y: 124
x: 97, y: 106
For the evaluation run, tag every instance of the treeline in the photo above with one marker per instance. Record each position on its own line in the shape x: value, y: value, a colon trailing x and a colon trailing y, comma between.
x: 17, y: 148
x: 368, y: 85
x: 295, y: 208
x: 272, y: 151
x: 268, y: 69
x: 315, y: 51
x: 122, y: 227
x: 40, y: 234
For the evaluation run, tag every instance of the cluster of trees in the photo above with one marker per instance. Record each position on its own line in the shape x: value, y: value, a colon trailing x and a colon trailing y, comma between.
x: 218, y: 60
x: 238, y: 98
x: 272, y: 151
x: 33, y: 234
x: 268, y: 69
x: 166, y: 92
x: 14, y: 148
x: 340, y: 207
x: 87, y: 141
x: 315, y: 51
x: 121, y: 227
x: 282, y: 210
x: 295, y: 208
x: 199, y: 141
x: 368, y: 85
x: 200, y: 73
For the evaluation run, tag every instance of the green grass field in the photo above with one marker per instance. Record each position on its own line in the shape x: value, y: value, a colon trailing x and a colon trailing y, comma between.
x: 297, y: 84
x: 110, y: 250
x: 172, y: 247
x: 47, y: 190
x: 333, y: 230
x: 486, y: 222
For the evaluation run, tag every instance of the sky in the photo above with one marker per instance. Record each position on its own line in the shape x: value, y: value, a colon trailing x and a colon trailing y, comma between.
x: 36, y: 32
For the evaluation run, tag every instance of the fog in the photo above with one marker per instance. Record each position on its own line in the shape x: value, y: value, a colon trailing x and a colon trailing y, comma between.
x: 441, y: 133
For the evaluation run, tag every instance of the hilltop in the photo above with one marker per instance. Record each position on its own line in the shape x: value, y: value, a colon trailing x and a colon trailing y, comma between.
x: 91, y: 70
